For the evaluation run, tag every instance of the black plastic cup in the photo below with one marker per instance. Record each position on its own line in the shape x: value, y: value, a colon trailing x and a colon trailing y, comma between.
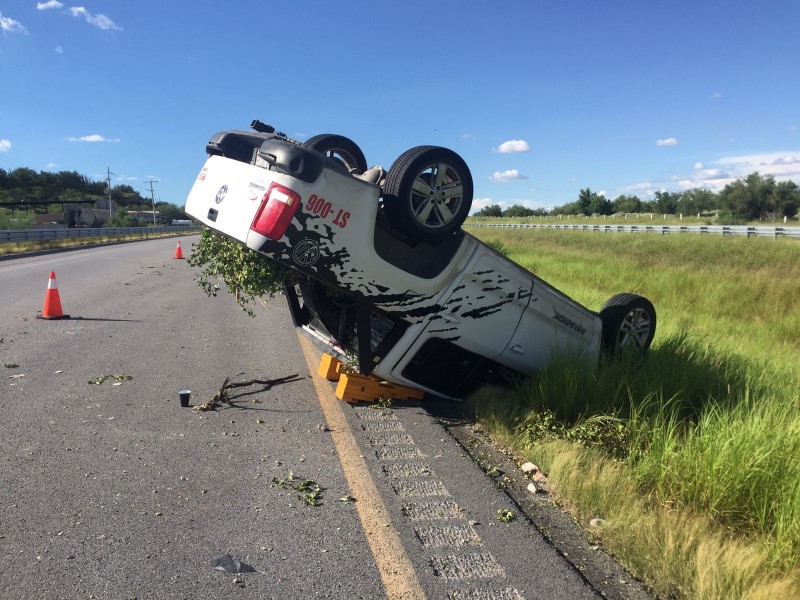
x: 185, y: 395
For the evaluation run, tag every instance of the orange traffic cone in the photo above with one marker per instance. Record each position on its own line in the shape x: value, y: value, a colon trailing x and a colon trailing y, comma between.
x: 52, y: 302
x: 178, y: 251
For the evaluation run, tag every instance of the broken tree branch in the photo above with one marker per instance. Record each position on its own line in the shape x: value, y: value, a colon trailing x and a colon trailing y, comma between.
x: 227, y: 385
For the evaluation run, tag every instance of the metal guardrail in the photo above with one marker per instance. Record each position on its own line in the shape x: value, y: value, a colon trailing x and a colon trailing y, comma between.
x: 732, y: 230
x: 39, y: 235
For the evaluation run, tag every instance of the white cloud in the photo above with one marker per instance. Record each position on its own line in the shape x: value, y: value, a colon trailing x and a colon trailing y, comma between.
x: 782, y: 165
x: 5, y: 145
x: 644, y: 188
x: 786, y: 160
x: 481, y: 203
x: 467, y: 136
x: 715, y: 175
x: 9, y: 25
x: 59, y: 50
x: 52, y: 165
x: 99, y: 20
x: 667, y: 142
x: 716, y: 96
x: 506, y: 176
x: 512, y: 146
x: 92, y: 139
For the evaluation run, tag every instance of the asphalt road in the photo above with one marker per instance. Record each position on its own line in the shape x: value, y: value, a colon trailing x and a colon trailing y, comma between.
x: 112, y: 490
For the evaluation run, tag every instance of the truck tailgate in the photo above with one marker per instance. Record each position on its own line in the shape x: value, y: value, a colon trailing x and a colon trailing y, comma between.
x: 226, y: 195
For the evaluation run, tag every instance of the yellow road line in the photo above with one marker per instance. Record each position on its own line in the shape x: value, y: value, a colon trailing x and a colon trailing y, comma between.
x: 398, y: 575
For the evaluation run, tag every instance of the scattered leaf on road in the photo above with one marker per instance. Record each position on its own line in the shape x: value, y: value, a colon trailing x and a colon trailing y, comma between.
x: 505, y: 516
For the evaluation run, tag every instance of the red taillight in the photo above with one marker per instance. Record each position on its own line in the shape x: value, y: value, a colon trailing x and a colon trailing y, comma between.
x: 276, y: 211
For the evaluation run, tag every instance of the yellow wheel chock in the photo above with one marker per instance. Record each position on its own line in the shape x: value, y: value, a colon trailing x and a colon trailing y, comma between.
x: 353, y: 387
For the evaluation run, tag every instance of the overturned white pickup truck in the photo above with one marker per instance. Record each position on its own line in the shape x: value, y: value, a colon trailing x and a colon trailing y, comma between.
x: 386, y: 274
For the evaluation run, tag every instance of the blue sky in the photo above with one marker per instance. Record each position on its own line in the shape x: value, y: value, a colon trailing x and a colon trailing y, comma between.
x: 540, y: 98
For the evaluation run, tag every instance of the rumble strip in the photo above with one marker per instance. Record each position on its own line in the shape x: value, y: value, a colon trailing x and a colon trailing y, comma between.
x: 397, y: 573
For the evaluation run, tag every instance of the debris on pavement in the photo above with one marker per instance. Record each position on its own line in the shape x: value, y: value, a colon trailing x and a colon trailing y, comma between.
x: 231, y: 564
x: 103, y: 378
x: 307, y: 490
x: 505, y: 516
x: 222, y: 395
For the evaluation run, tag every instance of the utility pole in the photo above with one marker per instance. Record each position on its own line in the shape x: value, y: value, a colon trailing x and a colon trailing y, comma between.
x: 152, y: 198
x: 108, y: 190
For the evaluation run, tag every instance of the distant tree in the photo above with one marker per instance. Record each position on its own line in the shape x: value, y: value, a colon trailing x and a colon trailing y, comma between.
x: 564, y: 209
x: 697, y: 200
x: 72, y: 180
x: 626, y: 204
x: 125, y: 195
x: 787, y: 198
x: 23, y: 178
x: 124, y: 219
x: 168, y: 212
x: 600, y: 205
x: 752, y: 198
x: 589, y: 203
x: 585, y: 197
x: 518, y: 211
x: 25, y: 184
x: 649, y: 206
x: 667, y: 202
x: 493, y: 210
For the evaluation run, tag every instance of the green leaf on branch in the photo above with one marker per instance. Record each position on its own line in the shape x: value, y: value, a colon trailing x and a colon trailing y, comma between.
x: 248, y: 275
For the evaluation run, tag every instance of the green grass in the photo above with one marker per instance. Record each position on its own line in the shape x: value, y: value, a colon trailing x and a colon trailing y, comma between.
x: 727, y: 290
x: 22, y: 247
x: 692, y: 455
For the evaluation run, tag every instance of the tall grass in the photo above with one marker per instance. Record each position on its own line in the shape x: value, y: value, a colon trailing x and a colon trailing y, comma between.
x: 692, y: 454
